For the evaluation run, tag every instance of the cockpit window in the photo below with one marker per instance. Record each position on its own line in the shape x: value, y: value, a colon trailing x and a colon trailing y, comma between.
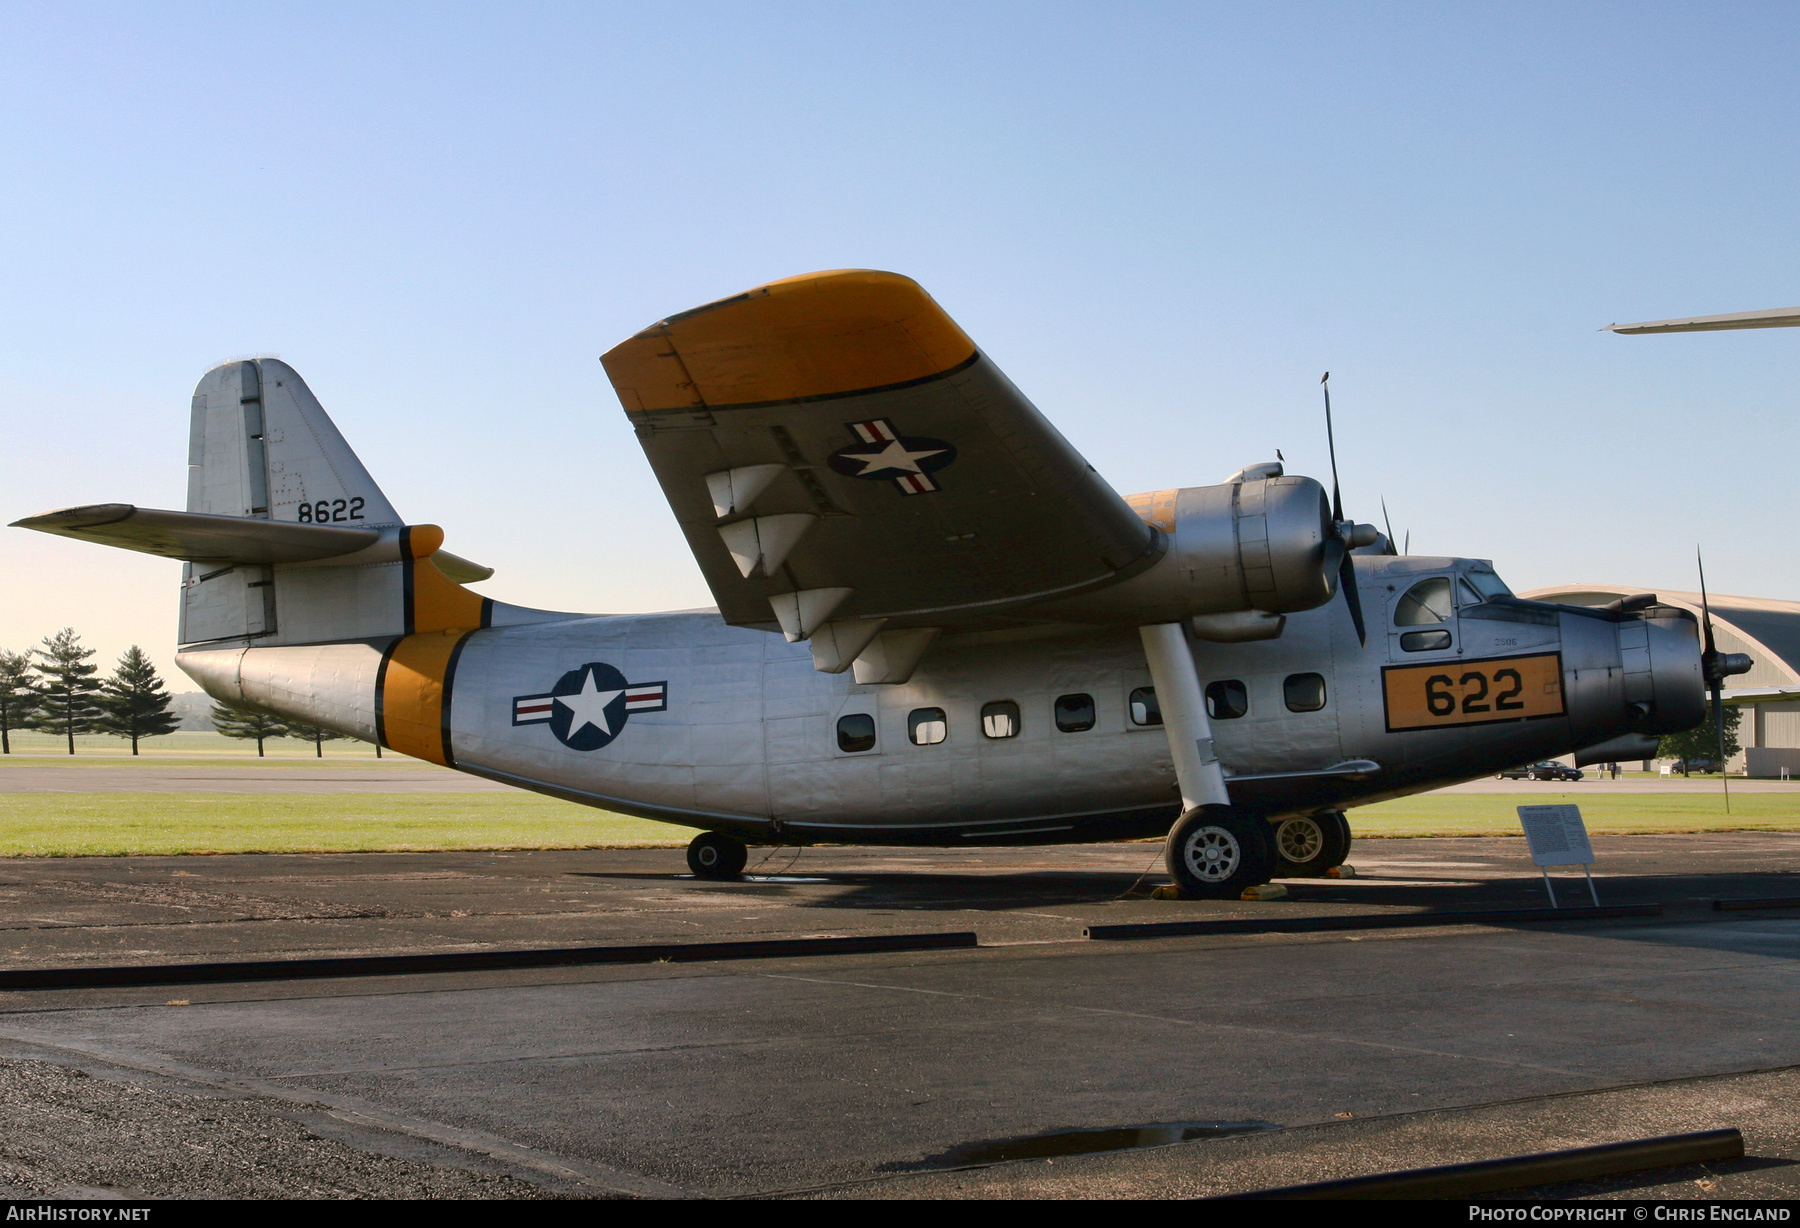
x: 1468, y: 594
x: 1427, y: 602
x: 1488, y: 584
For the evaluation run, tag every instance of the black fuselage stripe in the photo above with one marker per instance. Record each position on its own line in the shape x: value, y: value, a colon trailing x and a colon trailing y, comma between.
x: 449, y: 691
x: 381, y: 672
x: 406, y: 581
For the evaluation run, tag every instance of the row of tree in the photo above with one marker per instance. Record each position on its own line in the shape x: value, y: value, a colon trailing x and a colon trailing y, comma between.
x: 245, y: 723
x: 53, y: 688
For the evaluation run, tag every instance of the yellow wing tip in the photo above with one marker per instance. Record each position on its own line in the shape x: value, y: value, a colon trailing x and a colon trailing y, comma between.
x: 826, y: 333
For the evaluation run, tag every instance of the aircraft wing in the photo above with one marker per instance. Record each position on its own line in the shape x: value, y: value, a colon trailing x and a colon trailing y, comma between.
x: 1786, y: 317
x: 837, y: 434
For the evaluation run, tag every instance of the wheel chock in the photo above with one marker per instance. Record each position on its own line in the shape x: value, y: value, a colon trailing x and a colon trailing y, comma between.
x: 1264, y: 891
x: 1341, y: 872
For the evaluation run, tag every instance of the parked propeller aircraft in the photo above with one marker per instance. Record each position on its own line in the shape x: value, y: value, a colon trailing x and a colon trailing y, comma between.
x: 936, y: 623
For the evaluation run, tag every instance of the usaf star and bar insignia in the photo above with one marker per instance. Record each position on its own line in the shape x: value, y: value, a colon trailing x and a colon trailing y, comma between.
x: 882, y: 453
x: 588, y: 707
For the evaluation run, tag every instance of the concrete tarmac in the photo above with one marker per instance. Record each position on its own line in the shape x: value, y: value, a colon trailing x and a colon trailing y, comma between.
x: 114, y: 776
x: 872, y: 1074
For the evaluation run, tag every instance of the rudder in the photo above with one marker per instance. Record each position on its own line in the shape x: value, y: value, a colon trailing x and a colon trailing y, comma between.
x: 260, y: 446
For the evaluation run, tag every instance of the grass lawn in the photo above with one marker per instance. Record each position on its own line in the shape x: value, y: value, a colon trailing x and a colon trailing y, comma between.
x: 144, y: 824
x: 1496, y: 814
x: 148, y: 824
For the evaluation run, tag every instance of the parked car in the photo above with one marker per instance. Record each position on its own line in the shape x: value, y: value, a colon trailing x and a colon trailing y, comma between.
x: 1685, y: 766
x: 1547, y: 770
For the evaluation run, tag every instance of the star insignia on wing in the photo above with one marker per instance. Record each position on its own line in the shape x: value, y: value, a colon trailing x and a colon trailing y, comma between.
x: 894, y: 458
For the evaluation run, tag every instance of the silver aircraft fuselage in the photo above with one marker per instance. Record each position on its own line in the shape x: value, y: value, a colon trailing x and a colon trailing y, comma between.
x: 734, y: 729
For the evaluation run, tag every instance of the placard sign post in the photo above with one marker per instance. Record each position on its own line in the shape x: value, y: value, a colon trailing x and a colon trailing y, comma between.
x: 1558, y: 837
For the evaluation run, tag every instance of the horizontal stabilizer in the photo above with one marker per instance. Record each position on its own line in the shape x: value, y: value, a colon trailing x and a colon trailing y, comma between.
x: 200, y: 537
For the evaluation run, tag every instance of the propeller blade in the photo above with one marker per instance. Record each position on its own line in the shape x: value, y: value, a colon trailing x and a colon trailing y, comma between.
x: 1337, y: 502
x: 1709, y: 665
x: 1705, y: 609
x: 1347, y: 568
x: 1718, y: 709
x: 1353, y: 599
x: 1389, y: 524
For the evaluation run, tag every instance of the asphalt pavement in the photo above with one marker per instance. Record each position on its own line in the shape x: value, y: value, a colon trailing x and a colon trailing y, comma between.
x: 1328, y: 1054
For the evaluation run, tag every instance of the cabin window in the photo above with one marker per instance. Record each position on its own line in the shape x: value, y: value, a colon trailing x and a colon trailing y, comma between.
x: 1470, y: 595
x: 856, y: 732
x: 1425, y: 603
x: 1304, y: 692
x: 1000, y: 719
x: 1227, y: 699
x: 1074, y: 713
x: 1424, y: 641
x: 927, y: 726
x: 1143, y: 708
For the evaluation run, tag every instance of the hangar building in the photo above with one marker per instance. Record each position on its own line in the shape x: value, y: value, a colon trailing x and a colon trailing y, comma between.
x: 1769, y: 631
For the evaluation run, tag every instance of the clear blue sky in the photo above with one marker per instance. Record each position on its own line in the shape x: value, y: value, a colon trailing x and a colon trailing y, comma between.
x: 1163, y: 221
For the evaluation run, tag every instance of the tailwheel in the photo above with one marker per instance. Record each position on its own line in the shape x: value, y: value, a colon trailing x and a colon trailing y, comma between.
x: 714, y: 856
x: 1308, y: 845
x: 1215, y: 852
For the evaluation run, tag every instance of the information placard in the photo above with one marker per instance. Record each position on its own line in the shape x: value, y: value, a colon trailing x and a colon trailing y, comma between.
x: 1557, y: 835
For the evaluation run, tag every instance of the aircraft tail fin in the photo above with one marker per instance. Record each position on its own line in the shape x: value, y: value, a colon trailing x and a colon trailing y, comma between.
x: 262, y: 448
x: 286, y: 537
x: 260, y: 445
x: 304, y: 593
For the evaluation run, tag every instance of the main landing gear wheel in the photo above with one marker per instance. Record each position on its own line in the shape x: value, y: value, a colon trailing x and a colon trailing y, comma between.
x: 718, y: 857
x: 1308, y: 845
x: 1215, y: 852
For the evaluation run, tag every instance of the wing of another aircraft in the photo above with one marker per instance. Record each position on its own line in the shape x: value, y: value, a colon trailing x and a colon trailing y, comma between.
x: 1786, y: 317
x: 834, y: 446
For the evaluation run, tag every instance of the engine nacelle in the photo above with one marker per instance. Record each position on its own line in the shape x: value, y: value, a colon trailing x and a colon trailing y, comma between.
x: 1266, y: 544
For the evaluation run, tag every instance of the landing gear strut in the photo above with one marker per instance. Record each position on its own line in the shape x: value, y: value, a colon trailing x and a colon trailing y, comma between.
x: 714, y: 856
x: 1308, y: 845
